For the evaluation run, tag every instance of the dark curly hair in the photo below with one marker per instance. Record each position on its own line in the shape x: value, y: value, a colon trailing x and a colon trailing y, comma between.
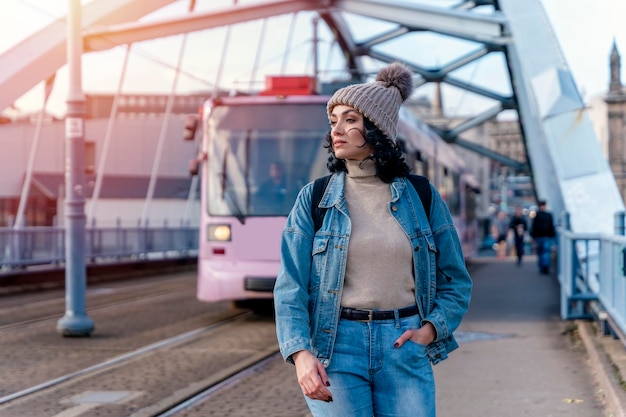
x: 388, y: 155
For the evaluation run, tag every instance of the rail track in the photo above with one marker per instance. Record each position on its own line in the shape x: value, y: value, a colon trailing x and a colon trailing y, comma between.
x: 119, y: 360
x: 178, y: 401
x: 154, y: 348
x: 220, y: 386
x: 26, y: 309
x: 51, y: 276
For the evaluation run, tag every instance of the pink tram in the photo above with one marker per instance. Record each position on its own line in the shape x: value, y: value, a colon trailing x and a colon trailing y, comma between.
x: 256, y: 154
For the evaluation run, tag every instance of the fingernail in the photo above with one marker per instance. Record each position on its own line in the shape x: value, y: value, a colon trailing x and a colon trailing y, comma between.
x: 396, y: 345
x: 330, y: 400
x: 327, y: 384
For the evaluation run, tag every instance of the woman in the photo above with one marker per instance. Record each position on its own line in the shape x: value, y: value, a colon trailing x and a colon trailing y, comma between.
x: 367, y: 303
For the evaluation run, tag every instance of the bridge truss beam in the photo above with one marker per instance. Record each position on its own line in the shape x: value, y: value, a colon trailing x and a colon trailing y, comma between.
x: 566, y: 159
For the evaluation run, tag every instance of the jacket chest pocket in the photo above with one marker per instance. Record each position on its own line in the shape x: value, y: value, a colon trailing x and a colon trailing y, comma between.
x: 427, y: 249
x: 430, y: 244
x: 329, y: 257
x: 320, y: 255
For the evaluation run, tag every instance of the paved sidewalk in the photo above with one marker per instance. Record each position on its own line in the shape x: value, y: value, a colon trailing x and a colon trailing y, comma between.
x: 518, y: 358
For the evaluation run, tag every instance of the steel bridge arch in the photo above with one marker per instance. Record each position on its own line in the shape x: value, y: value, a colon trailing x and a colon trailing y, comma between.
x: 566, y: 160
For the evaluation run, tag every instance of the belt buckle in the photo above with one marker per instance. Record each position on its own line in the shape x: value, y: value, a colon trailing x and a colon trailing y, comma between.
x: 370, y: 316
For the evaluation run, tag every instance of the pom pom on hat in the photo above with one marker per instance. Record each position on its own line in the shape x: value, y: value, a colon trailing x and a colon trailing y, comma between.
x: 399, y: 76
x: 380, y: 100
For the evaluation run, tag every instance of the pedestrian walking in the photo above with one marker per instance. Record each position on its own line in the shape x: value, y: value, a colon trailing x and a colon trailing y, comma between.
x: 519, y: 227
x: 499, y: 231
x: 366, y: 304
x: 543, y: 232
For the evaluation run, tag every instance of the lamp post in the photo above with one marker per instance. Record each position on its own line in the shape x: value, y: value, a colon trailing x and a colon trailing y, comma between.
x: 75, y: 322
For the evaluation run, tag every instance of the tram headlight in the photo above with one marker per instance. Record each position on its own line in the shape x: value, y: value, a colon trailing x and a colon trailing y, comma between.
x: 218, y: 233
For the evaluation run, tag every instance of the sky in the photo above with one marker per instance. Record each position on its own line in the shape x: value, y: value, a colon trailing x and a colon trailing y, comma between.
x: 585, y: 29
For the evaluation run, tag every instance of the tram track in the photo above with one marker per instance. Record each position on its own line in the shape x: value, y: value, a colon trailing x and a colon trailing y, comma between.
x: 153, y: 340
x: 13, y: 404
x: 57, y: 302
x: 218, y: 385
x: 169, y: 342
x: 57, y: 316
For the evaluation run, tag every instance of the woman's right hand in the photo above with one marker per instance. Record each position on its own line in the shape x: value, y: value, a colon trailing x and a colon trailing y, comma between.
x: 312, y: 376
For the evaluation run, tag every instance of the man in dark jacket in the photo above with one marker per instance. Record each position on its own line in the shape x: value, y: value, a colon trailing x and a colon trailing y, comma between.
x: 542, y: 231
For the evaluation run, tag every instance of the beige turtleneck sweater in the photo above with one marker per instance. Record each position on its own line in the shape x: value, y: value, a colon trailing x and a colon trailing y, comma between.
x: 379, y: 267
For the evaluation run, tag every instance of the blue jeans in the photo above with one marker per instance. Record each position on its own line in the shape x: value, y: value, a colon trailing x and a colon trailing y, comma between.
x: 369, y: 377
x: 543, y: 246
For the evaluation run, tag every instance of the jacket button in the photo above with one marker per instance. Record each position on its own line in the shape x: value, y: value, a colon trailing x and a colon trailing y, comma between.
x: 438, y: 356
x: 394, y: 208
x: 416, y: 248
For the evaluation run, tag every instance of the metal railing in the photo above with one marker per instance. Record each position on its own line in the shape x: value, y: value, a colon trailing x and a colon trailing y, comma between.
x: 592, y: 275
x: 29, y: 246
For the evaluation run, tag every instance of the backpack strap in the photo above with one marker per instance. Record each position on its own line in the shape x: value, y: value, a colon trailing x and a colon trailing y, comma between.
x: 422, y: 186
x: 318, y: 213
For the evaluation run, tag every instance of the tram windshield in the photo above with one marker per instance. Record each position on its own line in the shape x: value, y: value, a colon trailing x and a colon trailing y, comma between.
x: 260, y: 156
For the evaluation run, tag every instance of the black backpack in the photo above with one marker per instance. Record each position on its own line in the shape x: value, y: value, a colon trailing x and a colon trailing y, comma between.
x: 420, y: 183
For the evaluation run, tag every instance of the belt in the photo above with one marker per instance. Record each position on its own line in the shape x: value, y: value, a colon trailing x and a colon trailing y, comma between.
x: 369, y: 315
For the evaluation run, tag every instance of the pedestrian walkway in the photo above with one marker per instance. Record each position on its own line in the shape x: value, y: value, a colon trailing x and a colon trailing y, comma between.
x: 517, y: 357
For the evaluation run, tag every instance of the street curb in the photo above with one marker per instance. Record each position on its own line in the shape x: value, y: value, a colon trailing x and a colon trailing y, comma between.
x: 602, y: 370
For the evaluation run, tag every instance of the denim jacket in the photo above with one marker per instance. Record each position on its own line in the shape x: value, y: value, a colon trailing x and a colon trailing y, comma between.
x: 308, y: 289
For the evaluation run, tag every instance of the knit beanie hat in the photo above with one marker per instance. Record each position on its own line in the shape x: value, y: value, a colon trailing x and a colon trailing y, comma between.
x: 380, y: 100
